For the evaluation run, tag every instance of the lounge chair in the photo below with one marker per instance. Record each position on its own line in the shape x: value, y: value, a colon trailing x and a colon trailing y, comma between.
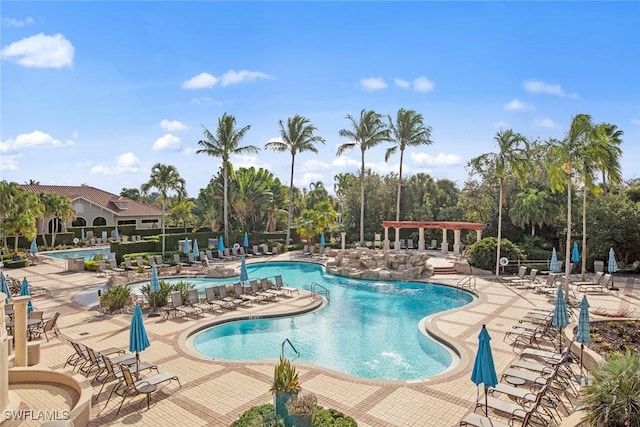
x: 215, y: 301
x: 515, y: 410
x: 257, y: 291
x: 223, y: 255
x: 131, y: 388
x: 128, y: 265
x: 280, y: 285
x: 102, y: 268
x: 114, y: 267
x: 80, y: 355
x: 194, y: 300
x: 192, y: 260
x: 239, y: 293
x: 267, y: 286
x: 433, y: 245
x: 179, y: 307
x: 112, y: 372
x: 477, y: 420
x: 522, y: 271
x: 140, y: 263
x: 222, y: 291
x: 160, y: 262
x: 305, y: 250
x: 256, y: 251
x: 227, y: 255
x: 410, y: 244
x: 529, y: 281
x: 266, y: 251
x: 50, y: 325
x: 178, y: 261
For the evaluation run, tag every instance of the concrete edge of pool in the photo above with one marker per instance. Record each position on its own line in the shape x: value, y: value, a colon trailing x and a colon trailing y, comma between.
x: 460, y: 354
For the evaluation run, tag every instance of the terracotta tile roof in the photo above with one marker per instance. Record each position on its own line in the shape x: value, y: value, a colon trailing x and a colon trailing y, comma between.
x: 99, y: 197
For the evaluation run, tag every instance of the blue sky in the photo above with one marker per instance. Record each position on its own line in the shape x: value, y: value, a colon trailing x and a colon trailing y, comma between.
x: 98, y: 92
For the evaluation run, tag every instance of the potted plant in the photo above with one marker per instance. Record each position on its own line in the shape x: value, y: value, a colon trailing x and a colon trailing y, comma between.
x: 285, y: 386
x: 301, y: 409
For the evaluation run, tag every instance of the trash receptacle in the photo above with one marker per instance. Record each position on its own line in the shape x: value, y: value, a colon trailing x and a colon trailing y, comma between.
x: 75, y: 264
x: 598, y: 266
x: 33, y: 353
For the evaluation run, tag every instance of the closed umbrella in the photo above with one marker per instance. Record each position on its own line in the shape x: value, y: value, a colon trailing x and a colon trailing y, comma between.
x: 244, y: 274
x: 4, y: 288
x: 82, y: 234
x: 220, y: 244
x: 484, y: 370
x: 322, y: 241
x: 34, y: 247
x: 24, y: 291
x: 584, y: 335
x: 245, y: 241
x: 196, y: 250
x: 138, y: 339
x: 560, y: 315
x: 187, y: 246
x: 116, y: 233
x: 575, y: 254
x: 154, y: 288
x: 612, y: 265
x: 554, y: 261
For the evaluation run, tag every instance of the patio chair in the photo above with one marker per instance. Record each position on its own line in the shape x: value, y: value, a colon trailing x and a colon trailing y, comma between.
x: 179, y: 307
x: 280, y: 285
x: 160, y: 262
x: 267, y: 286
x: 223, y: 255
x: 51, y: 325
x: 257, y: 291
x: 209, y: 254
x: 140, y: 263
x: 305, y: 250
x: 114, y: 267
x: 477, y: 420
x: 222, y: 291
x: 214, y: 299
x: 128, y: 265
x: 146, y: 386
x: 192, y: 260
x: 80, y: 355
x: 522, y: 271
x: 194, y: 300
x: 410, y: 244
x: 227, y: 254
x: 178, y: 261
x: 102, y: 268
x: 255, y: 250
x: 112, y: 373
x: 239, y: 293
x: 433, y: 245
x: 595, y: 282
x: 529, y: 281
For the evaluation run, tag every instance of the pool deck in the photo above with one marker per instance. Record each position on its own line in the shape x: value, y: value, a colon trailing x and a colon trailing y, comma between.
x: 216, y: 393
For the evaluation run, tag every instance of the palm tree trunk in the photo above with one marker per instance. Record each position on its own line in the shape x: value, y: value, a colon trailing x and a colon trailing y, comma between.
x: 567, y: 255
x: 293, y: 159
x: 162, y: 222
x: 362, y: 201
x: 399, y: 187
x: 499, y: 231
x: 583, y: 268
x: 225, y: 208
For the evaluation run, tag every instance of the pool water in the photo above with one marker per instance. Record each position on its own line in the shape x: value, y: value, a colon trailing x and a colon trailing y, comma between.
x: 81, y: 253
x: 368, y: 329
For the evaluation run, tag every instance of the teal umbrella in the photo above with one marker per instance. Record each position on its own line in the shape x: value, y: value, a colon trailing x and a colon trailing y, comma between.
x: 138, y: 339
x: 322, y: 241
x: 82, y: 233
x: 24, y: 291
x: 612, y: 265
x: 116, y: 234
x: 560, y: 315
x: 575, y: 254
x: 484, y: 370
x: 196, y: 250
x: 187, y: 245
x: 554, y: 261
x: 34, y: 247
x: 245, y: 242
x: 154, y: 288
x: 584, y: 334
x: 4, y: 287
x: 244, y: 274
x: 220, y: 243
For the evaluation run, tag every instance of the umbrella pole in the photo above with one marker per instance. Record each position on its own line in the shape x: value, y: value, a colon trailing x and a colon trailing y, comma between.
x: 581, y: 350
x: 486, y: 401
x: 137, y: 366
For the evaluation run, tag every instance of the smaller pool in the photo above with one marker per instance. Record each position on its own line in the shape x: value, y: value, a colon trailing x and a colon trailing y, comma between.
x: 77, y: 253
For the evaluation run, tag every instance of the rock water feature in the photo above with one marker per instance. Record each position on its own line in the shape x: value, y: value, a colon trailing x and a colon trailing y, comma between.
x: 372, y: 264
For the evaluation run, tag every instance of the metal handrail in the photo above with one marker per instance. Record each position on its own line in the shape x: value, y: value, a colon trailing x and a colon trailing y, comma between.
x: 467, y: 281
x: 325, y: 292
x: 286, y: 340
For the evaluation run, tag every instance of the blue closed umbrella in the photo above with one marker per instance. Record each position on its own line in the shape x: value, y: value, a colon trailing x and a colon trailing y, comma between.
x: 82, y: 234
x: 187, y: 246
x: 554, y: 261
x: 584, y: 333
x: 322, y: 241
x: 245, y: 241
x: 4, y: 287
x: 24, y: 291
x: 116, y: 233
x: 484, y: 370
x: 220, y: 243
x: 154, y: 288
x: 560, y: 315
x: 575, y: 254
x: 34, y: 247
x: 612, y: 265
x: 138, y: 339
x: 244, y: 274
x: 196, y: 250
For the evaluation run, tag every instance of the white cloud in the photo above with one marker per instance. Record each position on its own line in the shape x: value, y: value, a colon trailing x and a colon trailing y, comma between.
x: 372, y: 83
x: 9, y: 162
x: 172, y: 126
x: 232, y: 77
x: 275, y: 139
x: 16, y: 23
x: 202, y: 80
x: 314, y: 165
x: 423, y: 84
x: 201, y: 100
x: 188, y: 151
x: 545, y: 123
x: 538, y: 86
x: 635, y: 121
x: 30, y: 140
x: 41, y: 51
x: 402, y: 83
x: 166, y: 142
x: 125, y: 163
x: 245, y: 161
x: 345, y: 161
x: 517, y: 105
x: 75, y: 135
x: 501, y: 125
x: 309, y: 177
x: 384, y: 168
x: 440, y: 159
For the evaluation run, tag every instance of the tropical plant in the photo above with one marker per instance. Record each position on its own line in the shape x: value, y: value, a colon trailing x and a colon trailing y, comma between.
x: 182, y: 213
x: 608, y: 140
x: 285, y: 378
x: 116, y: 297
x: 298, y: 136
x: 613, y: 397
x: 408, y: 130
x: 223, y: 144
x: 259, y: 416
x: 512, y: 158
x: 19, y: 211
x: 166, y: 179
x: 533, y: 207
x: 365, y: 133
x: 158, y: 299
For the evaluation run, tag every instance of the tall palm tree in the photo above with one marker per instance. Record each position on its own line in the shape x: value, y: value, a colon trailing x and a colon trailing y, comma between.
x: 365, y: 133
x: 298, y: 136
x: 408, y: 130
x: 609, y: 139
x: 223, y: 144
x: 165, y: 179
x: 512, y: 158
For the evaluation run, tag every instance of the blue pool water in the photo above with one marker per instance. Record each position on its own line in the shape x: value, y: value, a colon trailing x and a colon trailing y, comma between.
x: 368, y: 329
x: 84, y: 253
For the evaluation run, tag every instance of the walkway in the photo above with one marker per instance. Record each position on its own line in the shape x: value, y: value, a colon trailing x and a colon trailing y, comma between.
x: 216, y: 393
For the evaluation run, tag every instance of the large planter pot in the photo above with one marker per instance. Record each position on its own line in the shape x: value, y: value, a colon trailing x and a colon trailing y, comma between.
x: 280, y: 400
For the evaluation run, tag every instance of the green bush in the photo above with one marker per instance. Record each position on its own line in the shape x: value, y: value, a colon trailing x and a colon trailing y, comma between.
x: 482, y: 254
x: 90, y: 265
x: 116, y: 297
x: 331, y: 418
x: 160, y: 298
x: 264, y: 415
x: 16, y: 264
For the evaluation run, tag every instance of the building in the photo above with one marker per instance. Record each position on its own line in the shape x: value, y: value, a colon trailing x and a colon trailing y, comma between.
x: 95, y: 207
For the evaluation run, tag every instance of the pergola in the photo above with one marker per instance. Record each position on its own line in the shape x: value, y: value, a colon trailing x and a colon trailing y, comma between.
x: 456, y: 226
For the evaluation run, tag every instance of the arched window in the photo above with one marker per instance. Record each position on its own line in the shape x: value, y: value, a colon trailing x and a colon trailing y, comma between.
x: 99, y: 221
x: 79, y: 222
x: 55, y: 224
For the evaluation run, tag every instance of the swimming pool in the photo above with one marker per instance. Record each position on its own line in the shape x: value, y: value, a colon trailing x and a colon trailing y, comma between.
x: 368, y: 329
x: 77, y: 253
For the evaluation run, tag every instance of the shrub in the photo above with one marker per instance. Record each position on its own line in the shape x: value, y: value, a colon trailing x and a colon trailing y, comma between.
x: 482, y: 254
x: 160, y: 298
x: 285, y: 378
x: 332, y: 418
x: 16, y: 264
x: 90, y: 265
x: 259, y: 416
x: 302, y: 404
x: 184, y: 287
x: 116, y: 297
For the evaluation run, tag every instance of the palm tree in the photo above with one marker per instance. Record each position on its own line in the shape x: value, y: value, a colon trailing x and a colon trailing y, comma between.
x: 512, y: 157
x: 532, y: 207
x: 365, y: 133
x: 297, y: 137
x: 609, y: 139
x: 409, y: 130
x: 223, y: 144
x: 166, y: 179
x: 182, y: 212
